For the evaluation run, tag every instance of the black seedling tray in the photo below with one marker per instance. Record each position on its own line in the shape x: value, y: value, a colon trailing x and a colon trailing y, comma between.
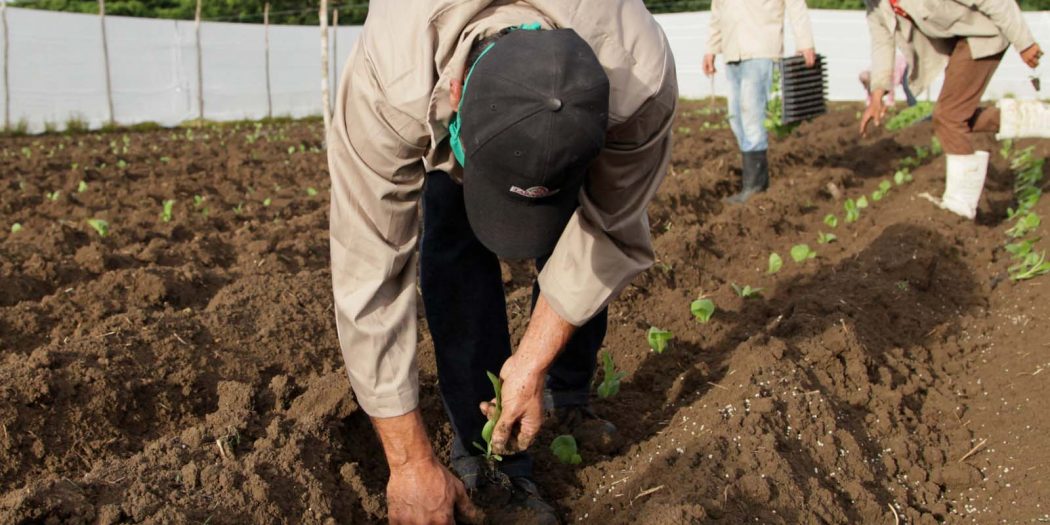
x: 804, y: 89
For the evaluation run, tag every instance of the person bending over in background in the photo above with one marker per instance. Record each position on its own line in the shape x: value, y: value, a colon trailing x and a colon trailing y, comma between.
x: 750, y: 36
x: 534, y: 129
x: 900, y: 78
x: 967, y: 40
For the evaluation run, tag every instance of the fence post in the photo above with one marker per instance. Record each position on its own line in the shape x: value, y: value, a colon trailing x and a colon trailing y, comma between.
x: 7, y: 86
x: 325, y: 103
x: 266, y: 33
x: 105, y: 59
x: 335, y: 49
x: 200, y: 65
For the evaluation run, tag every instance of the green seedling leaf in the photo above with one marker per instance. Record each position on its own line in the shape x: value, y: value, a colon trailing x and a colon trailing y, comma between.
x: 54, y: 195
x: 852, y: 211
x: 831, y: 220
x: 775, y: 263
x: 267, y: 202
x: 658, y: 339
x: 876, y: 195
x: 801, y: 253
x: 826, y: 238
x: 1020, y: 250
x: 862, y: 202
x: 702, y: 309
x: 746, y: 291
x: 166, y: 213
x: 564, y: 448
x: 490, y: 425
x: 935, y: 146
x: 1024, y: 225
x: 82, y: 187
x: 16, y: 227
x: 122, y: 164
x: 100, y: 226
x: 1034, y: 264
x: 610, y: 384
x: 291, y: 150
x: 311, y: 192
x: 1008, y: 145
x: 198, y: 201
x: 885, y: 186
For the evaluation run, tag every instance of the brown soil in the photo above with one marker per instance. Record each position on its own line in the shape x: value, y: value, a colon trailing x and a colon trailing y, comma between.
x: 188, y: 371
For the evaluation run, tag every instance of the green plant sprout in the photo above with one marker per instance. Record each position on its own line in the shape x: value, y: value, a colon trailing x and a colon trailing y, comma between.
x: 239, y: 208
x: 166, y: 213
x: 831, y: 220
x: 198, y: 201
x: 122, y: 164
x: 826, y: 238
x: 658, y: 339
x: 1024, y: 226
x: 902, y: 176
x: 311, y: 192
x: 746, y: 291
x: 82, y: 187
x: 54, y: 195
x: 702, y: 309
x: 910, y: 116
x: 611, y: 377
x: 775, y: 263
x: 291, y: 150
x: 1007, y: 147
x: 16, y: 227
x: 935, y: 146
x: 1032, y: 265
x: 564, y: 448
x: 100, y: 226
x: 801, y: 253
x: 862, y: 202
x: 852, y: 211
x: 490, y: 425
x: 267, y: 202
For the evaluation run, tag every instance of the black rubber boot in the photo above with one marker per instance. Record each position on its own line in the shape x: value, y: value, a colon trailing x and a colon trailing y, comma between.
x: 755, y: 176
x: 504, y: 499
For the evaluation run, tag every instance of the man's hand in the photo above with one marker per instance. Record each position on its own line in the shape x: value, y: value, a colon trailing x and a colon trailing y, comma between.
x: 709, y: 65
x: 427, y: 493
x: 523, y: 377
x: 876, y: 111
x: 810, y: 56
x: 1031, y: 55
x: 420, y: 490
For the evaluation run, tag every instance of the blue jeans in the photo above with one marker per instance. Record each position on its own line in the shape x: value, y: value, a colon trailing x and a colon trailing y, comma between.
x: 749, y: 84
x: 466, y: 311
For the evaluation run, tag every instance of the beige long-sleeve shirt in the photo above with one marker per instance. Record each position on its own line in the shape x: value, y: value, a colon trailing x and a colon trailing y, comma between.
x: 746, y: 29
x: 925, y: 36
x: 391, y: 126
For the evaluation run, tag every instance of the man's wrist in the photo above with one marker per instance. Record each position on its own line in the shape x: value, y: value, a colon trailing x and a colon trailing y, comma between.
x: 404, y: 440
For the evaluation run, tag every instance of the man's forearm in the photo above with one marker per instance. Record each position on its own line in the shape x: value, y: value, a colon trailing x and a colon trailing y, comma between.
x: 545, y: 336
x: 404, y: 439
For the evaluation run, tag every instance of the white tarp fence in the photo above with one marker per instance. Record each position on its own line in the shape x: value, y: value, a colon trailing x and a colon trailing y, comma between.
x: 56, y: 67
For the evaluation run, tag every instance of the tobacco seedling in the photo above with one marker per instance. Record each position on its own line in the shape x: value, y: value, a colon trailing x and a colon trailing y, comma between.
x: 1034, y: 264
x: 197, y: 201
x: 82, y: 187
x: 801, y: 253
x: 1024, y: 226
x: 935, y: 146
x: 746, y: 291
x: 239, y: 208
x: 486, y: 431
x: 831, y: 220
x: 826, y: 238
x: 16, y: 227
x: 852, y: 211
x: 166, y: 213
x: 902, y: 176
x: 54, y: 195
x: 775, y: 263
x: 884, y: 188
x: 100, y: 226
x: 862, y: 202
x: 1008, y: 145
x: 702, y: 309
x: 267, y: 202
x: 658, y: 339
x: 311, y: 192
x: 564, y: 448
x: 610, y: 384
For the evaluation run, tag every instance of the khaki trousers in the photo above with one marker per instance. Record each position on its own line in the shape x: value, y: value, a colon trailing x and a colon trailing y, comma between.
x: 958, y: 112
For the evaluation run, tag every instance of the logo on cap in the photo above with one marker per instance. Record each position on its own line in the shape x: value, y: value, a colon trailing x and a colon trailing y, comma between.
x: 535, y: 192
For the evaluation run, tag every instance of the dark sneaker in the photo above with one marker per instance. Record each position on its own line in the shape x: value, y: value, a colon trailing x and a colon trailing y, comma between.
x: 591, y: 431
x: 504, y: 499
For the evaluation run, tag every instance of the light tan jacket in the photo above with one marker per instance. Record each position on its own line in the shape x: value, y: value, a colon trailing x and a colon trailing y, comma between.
x: 391, y: 126
x: 927, y: 35
x: 745, y: 29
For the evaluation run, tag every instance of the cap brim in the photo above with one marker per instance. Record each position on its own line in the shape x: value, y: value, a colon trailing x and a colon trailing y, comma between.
x: 514, y: 227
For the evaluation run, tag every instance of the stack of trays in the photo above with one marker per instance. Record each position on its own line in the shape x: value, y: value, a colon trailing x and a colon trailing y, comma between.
x: 804, y: 89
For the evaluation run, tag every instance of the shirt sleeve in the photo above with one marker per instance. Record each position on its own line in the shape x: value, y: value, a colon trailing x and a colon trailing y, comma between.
x: 801, y: 27
x: 883, y: 51
x: 1007, y: 16
x: 607, y: 242
x: 376, y: 169
x: 714, y: 38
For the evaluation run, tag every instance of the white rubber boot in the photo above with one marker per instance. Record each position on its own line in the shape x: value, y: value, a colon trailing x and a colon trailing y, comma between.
x: 962, y: 191
x: 1020, y: 119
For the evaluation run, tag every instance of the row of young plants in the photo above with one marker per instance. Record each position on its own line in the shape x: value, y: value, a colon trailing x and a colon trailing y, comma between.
x: 1028, y: 169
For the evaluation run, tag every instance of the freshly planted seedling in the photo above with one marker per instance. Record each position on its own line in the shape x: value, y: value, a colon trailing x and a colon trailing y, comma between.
x: 54, y: 195
x: 862, y: 202
x: 1007, y: 147
x: 1032, y: 265
x: 702, y: 309
x: 16, y: 227
x: 100, y: 226
x: 746, y: 291
x: 198, y: 201
x: 902, y: 176
x: 486, y: 431
x: 775, y: 263
x: 82, y: 187
x: 852, y: 211
x: 658, y: 339
x: 166, y: 213
x: 267, y: 202
x: 826, y: 238
x: 564, y: 448
x: 831, y: 220
x: 311, y: 192
x: 239, y: 208
x: 1024, y: 226
x: 610, y: 384
x: 935, y: 146
x: 801, y: 253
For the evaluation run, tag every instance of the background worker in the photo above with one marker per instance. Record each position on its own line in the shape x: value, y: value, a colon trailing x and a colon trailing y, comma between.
x: 965, y: 40
x: 749, y: 34
x: 534, y: 129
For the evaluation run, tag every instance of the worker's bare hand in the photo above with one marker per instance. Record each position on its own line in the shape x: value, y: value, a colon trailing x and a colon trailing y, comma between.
x: 709, y: 65
x: 809, y: 55
x: 426, y: 493
x: 875, y: 112
x: 1031, y: 55
x: 522, y: 413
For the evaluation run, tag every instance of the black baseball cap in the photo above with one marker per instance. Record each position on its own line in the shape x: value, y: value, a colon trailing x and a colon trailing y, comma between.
x: 533, y: 118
